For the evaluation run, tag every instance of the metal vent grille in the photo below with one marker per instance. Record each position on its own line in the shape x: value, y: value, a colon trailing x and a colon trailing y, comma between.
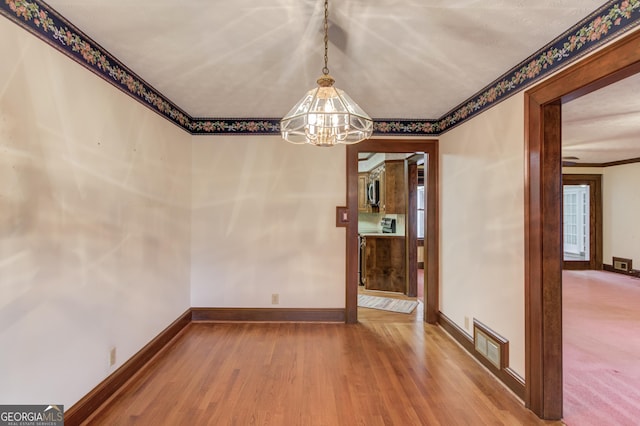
x: 621, y: 264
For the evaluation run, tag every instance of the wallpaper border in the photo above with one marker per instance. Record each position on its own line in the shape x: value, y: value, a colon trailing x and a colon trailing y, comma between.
x: 604, y: 24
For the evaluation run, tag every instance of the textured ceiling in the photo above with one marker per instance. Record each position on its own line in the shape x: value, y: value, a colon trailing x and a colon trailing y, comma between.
x: 603, y: 126
x: 248, y: 58
x: 399, y: 59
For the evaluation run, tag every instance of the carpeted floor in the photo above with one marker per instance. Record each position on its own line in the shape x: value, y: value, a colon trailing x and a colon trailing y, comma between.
x: 387, y: 303
x: 601, y: 348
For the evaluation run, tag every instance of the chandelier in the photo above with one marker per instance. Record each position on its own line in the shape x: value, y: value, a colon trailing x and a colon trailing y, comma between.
x: 326, y: 115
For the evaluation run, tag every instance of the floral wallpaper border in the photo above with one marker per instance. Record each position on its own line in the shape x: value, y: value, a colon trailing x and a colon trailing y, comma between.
x: 610, y: 20
x: 607, y: 22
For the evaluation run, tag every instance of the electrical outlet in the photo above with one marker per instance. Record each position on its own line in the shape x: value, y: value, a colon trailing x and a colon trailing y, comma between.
x: 112, y: 357
x: 275, y: 299
x: 466, y: 323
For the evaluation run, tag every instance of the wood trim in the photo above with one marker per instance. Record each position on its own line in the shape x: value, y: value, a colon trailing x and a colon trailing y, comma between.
x: 576, y: 265
x: 455, y: 331
x: 506, y: 375
x: 504, y: 343
x: 545, y: 366
x: 621, y: 162
x: 631, y: 273
x: 543, y: 233
x: 608, y: 164
x: 595, y: 220
x: 268, y: 314
x: 432, y: 227
x: 351, y: 237
x: 91, y: 402
x: 432, y: 236
x: 412, y: 231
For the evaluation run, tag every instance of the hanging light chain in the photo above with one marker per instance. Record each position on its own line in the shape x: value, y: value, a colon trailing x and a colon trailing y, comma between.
x: 326, y: 116
x: 325, y: 70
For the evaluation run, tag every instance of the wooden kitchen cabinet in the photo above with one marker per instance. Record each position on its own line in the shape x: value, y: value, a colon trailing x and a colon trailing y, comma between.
x: 384, y: 263
x: 363, y: 183
x: 395, y: 187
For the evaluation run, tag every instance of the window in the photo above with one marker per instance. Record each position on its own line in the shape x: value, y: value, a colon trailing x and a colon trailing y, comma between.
x: 420, y: 220
x: 576, y: 222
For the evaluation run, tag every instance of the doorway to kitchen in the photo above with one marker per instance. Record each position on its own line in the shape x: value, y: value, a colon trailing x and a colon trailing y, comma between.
x: 387, y: 229
x: 389, y: 224
x: 365, y: 194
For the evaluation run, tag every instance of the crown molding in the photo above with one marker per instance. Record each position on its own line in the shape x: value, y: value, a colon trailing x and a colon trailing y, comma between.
x: 607, y: 164
x: 610, y: 21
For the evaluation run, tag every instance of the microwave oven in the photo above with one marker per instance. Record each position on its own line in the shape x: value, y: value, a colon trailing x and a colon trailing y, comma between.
x: 373, y: 193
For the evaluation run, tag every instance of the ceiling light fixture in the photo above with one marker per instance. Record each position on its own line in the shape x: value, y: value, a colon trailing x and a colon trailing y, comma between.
x: 326, y: 116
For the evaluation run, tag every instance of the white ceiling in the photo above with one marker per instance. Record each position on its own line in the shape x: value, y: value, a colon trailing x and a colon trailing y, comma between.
x: 409, y: 59
x: 603, y: 126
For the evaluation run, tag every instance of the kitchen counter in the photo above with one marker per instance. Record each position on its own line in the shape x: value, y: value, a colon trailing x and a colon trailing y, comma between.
x: 379, y: 234
x: 383, y: 262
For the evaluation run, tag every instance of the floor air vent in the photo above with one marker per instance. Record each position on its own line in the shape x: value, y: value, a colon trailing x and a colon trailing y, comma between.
x: 490, y: 345
x: 620, y: 264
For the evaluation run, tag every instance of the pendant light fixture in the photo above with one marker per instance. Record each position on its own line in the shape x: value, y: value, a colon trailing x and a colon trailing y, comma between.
x: 326, y: 115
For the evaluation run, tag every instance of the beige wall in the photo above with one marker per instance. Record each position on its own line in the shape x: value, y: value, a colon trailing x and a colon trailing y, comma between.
x: 482, y: 224
x: 263, y: 222
x: 620, y: 206
x: 94, y: 224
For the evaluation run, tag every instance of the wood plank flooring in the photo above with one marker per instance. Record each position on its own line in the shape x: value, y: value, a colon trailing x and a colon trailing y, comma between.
x: 389, y: 369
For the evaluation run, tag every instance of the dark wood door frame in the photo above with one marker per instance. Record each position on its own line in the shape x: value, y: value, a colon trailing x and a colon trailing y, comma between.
x: 432, y: 226
x: 543, y: 214
x: 594, y: 182
x: 412, y: 231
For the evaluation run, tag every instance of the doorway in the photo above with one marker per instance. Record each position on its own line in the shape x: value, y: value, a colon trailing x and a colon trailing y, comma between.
x: 582, y: 221
x: 429, y: 148
x: 543, y: 214
x: 390, y: 222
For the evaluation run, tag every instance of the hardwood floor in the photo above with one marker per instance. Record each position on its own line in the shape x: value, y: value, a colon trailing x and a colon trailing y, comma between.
x: 389, y: 369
